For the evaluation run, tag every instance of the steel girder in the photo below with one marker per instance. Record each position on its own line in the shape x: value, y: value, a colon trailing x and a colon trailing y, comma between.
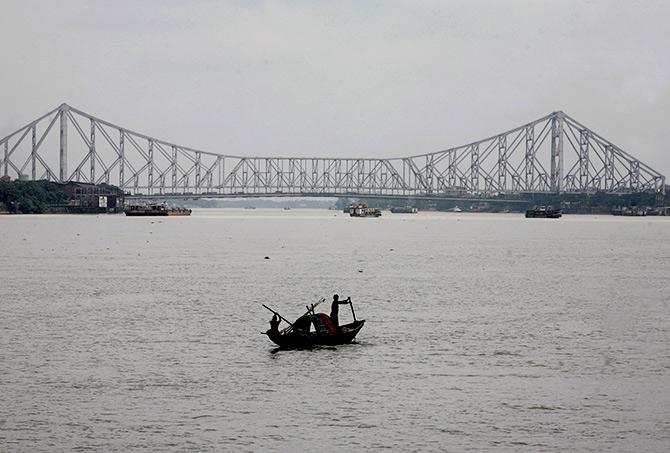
x: 530, y: 158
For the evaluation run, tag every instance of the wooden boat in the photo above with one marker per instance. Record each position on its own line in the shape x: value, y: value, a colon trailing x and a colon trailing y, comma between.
x: 314, y: 329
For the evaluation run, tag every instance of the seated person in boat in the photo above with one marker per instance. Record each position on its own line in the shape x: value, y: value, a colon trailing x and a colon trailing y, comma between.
x: 274, y: 324
x: 334, y: 309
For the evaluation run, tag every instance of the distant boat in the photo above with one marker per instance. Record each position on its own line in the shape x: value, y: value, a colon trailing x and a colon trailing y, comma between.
x: 287, y: 208
x: 456, y: 209
x: 250, y: 207
x: 361, y: 210
x: 546, y: 212
x: 632, y: 212
x: 160, y: 209
x: 405, y: 210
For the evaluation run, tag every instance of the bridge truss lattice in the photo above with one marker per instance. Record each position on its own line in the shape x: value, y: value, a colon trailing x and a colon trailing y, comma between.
x: 553, y: 154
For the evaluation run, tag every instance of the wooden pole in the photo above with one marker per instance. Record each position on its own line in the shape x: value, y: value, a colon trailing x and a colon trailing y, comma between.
x: 289, y: 322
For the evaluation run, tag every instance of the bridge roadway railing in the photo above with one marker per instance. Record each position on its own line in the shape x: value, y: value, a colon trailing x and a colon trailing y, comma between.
x: 553, y: 154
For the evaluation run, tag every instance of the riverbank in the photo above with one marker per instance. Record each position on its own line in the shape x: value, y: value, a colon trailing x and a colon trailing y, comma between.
x: 46, y: 197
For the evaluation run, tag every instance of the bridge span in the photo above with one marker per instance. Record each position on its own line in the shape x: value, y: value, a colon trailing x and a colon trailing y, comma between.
x: 435, y: 197
x: 552, y: 154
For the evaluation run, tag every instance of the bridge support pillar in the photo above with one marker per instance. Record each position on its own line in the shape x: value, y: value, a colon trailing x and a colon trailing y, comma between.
x: 150, y: 176
x: 6, y: 159
x: 91, y: 152
x: 557, y: 152
x: 33, y: 155
x: 62, y: 173
x: 174, y: 169
x: 122, y: 159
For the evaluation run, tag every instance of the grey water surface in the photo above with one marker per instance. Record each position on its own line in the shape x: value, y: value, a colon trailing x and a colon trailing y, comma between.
x: 484, y: 332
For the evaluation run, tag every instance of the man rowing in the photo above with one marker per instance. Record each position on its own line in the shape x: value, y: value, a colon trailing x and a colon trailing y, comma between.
x: 334, y: 309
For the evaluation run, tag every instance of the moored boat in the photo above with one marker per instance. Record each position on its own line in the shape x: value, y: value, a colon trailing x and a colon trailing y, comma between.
x: 155, y: 209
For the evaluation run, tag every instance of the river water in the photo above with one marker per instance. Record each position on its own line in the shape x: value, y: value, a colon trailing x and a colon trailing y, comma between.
x: 484, y: 332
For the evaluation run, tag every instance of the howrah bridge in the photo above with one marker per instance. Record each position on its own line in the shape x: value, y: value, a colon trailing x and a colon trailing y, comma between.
x: 552, y: 154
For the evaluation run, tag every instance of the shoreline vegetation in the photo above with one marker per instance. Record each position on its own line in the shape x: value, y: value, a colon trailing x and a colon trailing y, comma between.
x: 29, y: 197
x: 46, y: 197
x: 41, y: 197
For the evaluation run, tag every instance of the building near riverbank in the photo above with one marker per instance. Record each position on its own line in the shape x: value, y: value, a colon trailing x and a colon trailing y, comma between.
x: 85, y: 198
x: 45, y: 197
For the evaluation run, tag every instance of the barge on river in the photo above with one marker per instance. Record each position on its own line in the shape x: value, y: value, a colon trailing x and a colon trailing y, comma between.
x: 545, y: 212
x: 362, y: 210
x: 404, y: 210
x: 159, y: 209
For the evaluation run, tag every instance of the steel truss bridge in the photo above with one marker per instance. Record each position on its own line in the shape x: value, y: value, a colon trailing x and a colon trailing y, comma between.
x: 553, y: 154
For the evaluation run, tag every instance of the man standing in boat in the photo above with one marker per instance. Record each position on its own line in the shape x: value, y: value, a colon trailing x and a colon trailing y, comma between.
x: 334, y: 309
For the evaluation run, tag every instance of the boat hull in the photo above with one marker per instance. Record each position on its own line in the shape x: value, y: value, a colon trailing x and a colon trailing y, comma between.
x: 346, y: 334
x: 543, y: 213
x: 147, y: 213
x: 406, y: 210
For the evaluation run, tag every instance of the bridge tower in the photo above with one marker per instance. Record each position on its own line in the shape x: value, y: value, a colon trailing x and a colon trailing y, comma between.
x: 556, y: 152
x: 62, y: 173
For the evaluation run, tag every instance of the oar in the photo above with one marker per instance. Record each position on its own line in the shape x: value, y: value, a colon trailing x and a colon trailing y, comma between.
x: 352, y: 309
x: 289, y: 322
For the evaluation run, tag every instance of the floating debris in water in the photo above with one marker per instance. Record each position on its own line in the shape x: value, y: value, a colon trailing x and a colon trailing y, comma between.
x: 266, y: 258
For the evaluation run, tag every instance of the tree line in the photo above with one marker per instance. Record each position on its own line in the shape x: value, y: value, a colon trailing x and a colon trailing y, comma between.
x: 30, y: 197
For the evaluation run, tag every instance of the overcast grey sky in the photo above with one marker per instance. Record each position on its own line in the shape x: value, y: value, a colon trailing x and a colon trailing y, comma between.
x: 342, y: 78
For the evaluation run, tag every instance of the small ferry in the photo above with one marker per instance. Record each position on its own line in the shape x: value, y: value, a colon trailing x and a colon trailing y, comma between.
x: 155, y: 209
x: 405, y: 210
x: 362, y: 210
x: 545, y: 212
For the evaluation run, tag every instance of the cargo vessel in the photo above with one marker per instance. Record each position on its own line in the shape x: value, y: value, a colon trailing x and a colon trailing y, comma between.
x: 546, y: 212
x: 405, y: 210
x: 161, y: 209
x: 362, y: 210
